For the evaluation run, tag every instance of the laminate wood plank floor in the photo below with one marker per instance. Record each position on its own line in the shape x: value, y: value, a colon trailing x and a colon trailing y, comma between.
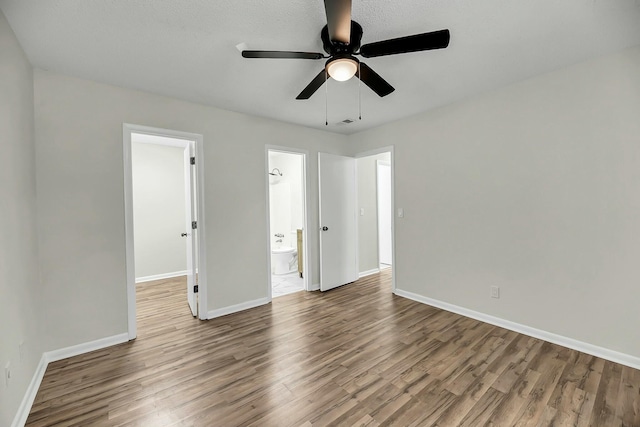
x: 356, y: 355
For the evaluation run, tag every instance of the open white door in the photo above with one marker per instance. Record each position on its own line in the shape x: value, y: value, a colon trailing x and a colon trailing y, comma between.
x: 191, y: 228
x: 384, y: 212
x: 338, y: 226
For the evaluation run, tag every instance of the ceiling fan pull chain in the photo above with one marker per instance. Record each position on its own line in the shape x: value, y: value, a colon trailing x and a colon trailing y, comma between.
x: 326, y: 98
x: 359, y: 94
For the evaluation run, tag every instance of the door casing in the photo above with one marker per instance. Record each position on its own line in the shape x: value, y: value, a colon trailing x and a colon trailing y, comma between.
x: 197, y: 139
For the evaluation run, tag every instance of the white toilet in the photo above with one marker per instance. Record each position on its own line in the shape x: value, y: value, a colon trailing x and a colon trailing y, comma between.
x: 281, y: 259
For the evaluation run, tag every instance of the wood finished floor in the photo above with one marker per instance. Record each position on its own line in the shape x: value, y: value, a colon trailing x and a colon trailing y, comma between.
x: 356, y: 355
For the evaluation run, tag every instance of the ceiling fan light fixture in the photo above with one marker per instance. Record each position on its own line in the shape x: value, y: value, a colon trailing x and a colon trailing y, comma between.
x: 342, y: 69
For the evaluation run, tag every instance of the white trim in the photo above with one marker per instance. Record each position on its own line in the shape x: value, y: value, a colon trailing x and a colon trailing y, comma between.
x: 52, y: 356
x: 160, y: 276
x: 238, y: 307
x: 75, y: 350
x: 594, y: 350
x: 315, y: 287
x: 368, y: 272
x: 130, y: 268
x: 30, y: 395
x: 197, y: 139
x: 201, y: 265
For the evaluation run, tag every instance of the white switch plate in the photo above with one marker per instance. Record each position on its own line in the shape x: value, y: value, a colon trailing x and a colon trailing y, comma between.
x: 361, y: 211
x: 495, y: 292
x: 400, y: 213
x: 7, y: 373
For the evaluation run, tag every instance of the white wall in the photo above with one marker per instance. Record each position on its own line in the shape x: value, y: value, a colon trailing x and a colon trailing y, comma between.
x: 159, y: 213
x: 81, y: 208
x: 19, y: 281
x: 534, y: 188
x: 367, y: 200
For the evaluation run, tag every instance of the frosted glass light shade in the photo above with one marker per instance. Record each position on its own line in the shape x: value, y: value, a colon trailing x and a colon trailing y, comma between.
x: 342, y: 69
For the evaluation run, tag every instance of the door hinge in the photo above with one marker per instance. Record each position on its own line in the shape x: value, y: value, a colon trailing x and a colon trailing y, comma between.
x: 195, y: 289
x: 193, y: 160
x: 194, y: 225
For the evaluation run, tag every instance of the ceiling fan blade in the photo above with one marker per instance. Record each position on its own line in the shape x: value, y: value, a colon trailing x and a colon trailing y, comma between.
x: 339, y: 20
x: 418, y: 42
x: 374, y: 81
x: 279, y: 54
x: 315, y: 84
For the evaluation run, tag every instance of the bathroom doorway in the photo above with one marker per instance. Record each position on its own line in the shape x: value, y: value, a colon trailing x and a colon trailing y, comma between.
x: 287, y: 220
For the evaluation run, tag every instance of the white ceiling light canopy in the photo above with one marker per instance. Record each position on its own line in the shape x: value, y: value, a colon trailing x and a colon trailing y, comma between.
x: 342, y: 68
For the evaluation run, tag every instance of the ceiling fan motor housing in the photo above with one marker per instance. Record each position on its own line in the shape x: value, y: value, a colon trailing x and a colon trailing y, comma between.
x: 339, y: 48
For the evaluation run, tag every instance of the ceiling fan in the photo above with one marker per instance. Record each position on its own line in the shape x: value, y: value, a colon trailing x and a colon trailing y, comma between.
x: 341, y: 40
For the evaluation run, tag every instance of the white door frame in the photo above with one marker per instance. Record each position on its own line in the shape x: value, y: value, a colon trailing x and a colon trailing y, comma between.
x: 306, y: 276
x: 127, y: 130
x: 388, y: 149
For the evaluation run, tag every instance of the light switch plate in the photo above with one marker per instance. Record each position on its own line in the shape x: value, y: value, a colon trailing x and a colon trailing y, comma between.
x: 7, y: 373
x: 495, y: 292
x: 400, y: 213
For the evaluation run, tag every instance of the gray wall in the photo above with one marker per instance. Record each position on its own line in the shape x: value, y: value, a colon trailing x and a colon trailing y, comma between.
x: 368, y: 223
x: 81, y: 208
x: 534, y: 188
x: 19, y: 281
x: 159, y: 213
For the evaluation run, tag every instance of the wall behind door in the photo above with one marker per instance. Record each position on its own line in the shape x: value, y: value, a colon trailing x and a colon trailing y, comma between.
x: 368, y: 223
x: 158, y: 210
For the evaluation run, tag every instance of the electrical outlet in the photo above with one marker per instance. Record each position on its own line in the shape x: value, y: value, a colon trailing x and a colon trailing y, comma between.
x: 495, y: 292
x: 7, y: 374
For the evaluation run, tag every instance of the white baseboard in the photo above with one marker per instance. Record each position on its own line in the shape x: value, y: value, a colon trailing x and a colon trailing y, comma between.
x: 368, y: 272
x: 30, y: 395
x: 75, y: 350
x: 315, y: 287
x: 594, y: 350
x: 52, y: 356
x: 160, y: 276
x: 218, y: 312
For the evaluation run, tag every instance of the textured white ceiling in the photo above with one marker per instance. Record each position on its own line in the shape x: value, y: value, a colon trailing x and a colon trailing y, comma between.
x: 186, y: 49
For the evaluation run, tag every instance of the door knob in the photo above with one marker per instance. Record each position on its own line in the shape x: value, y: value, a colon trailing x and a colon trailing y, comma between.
x: 183, y: 235
x: 325, y: 228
